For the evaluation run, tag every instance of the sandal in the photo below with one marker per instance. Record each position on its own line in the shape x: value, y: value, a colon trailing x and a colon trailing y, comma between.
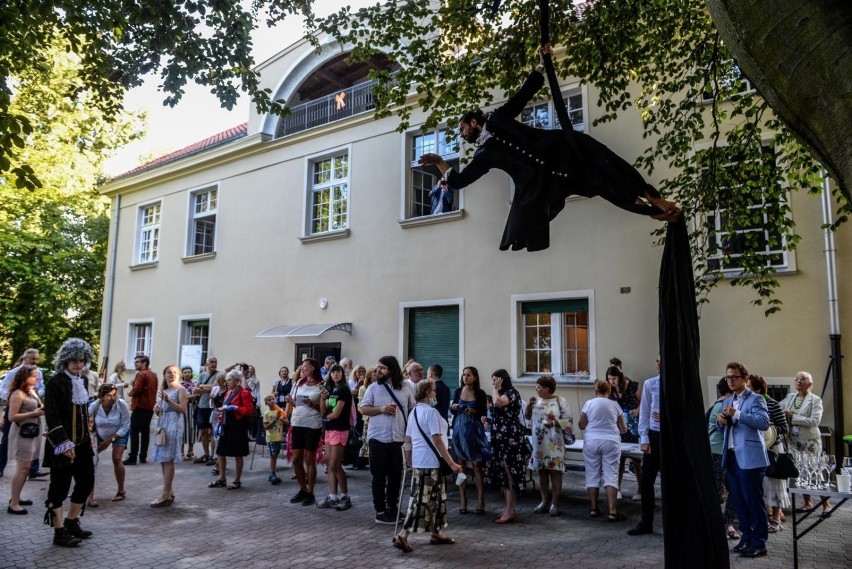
x: 235, y: 485
x: 218, y: 483
x: 616, y: 517
x: 441, y: 540
x: 462, y: 511
x: 201, y: 459
x: 594, y: 513
x: 92, y: 503
x: 401, y: 543
x: 775, y: 527
x: 119, y: 496
x: 732, y: 533
x: 480, y: 511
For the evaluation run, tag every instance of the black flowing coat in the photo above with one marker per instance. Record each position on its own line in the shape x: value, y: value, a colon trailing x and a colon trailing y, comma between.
x: 547, y: 166
x: 65, y: 421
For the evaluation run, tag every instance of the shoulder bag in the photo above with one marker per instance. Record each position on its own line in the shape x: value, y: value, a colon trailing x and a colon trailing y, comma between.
x: 781, y: 465
x: 443, y: 466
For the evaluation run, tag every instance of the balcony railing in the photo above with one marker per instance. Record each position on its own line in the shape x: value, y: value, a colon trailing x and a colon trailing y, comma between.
x: 334, y: 107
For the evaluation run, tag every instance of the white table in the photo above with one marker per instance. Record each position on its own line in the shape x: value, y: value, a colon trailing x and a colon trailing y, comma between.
x: 838, y: 499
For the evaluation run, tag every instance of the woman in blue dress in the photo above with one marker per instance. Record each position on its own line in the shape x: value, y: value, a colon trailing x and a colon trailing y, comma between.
x: 170, y: 409
x: 470, y: 446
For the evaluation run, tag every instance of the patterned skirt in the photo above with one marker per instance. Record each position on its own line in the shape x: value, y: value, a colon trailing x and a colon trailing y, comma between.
x: 427, y: 506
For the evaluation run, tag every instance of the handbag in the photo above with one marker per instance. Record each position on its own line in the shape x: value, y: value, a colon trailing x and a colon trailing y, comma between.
x: 29, y: 430
x: 443, y: 466
x: 781, y: 465
x: 568, y: 432
x: 160, y: 437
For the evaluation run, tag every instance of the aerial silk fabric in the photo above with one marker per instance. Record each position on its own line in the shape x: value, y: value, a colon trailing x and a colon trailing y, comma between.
x: 693, y: 533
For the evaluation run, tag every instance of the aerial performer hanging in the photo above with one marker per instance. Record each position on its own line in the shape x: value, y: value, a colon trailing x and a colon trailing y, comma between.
x: 547, y: 166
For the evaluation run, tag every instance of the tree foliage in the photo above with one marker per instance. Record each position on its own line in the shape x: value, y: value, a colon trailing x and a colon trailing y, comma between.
x: 53, y: 234
x: 726, y: 151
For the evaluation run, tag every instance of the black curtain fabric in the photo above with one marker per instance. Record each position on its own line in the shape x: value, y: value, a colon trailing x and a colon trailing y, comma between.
x: 693, y: 530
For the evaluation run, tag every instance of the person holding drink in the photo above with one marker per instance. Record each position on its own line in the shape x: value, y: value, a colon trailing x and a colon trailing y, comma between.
x: 305, y: 429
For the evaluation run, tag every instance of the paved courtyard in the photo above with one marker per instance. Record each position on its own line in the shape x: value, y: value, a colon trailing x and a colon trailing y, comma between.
x: 257, y: 527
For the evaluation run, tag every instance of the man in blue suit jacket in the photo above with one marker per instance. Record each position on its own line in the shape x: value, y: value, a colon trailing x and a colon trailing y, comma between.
x: 744, y: 417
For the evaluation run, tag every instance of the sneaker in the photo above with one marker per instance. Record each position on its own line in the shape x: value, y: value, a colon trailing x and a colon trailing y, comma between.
x: 344, y: 503
x: 300, y: 495
x: 637, y: 497
x: 619, y: 496
x: 309, y: 500
x: 275, y: 481
x: 385, y: 518
x: 329, y: 502
x: 201, y: 459
x: 541, y: 508
x: 211, y: 462
x: 271, y: 477
x: 554, y: 510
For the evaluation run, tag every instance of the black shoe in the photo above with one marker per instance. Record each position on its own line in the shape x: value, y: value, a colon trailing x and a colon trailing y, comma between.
x: 129, y: 462
x: 300, y: 495
x: 21, y: 512
x: 741, y: 546
x: 39, y: 474
x: 25, y: 502
x: 385, y: 518
x: 309, y: 500
x: 143, y: 460
x: 751, y: 552
x: 73, y: 527
x: 62, y: 537
x: 640, y: 529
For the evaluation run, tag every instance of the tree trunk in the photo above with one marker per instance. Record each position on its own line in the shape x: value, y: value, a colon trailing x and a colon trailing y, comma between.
x: 798, y: 54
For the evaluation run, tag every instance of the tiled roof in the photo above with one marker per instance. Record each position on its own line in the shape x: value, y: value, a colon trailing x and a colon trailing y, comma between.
x: 224, y: 137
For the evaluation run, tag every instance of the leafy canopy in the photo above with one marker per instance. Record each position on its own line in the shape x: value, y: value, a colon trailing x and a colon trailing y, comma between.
x: 53, y: 235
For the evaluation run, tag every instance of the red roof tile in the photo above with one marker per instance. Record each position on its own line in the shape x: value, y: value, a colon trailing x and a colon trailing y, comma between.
x: 224, y: 137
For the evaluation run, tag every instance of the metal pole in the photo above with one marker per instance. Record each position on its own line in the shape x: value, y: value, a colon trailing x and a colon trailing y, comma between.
x: 834, y: 319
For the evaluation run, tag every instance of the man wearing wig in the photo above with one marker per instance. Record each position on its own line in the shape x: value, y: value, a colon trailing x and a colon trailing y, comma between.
x: 69, y: 454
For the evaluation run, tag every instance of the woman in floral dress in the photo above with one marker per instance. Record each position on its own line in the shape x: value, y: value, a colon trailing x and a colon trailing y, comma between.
x: 508, y: 448
x: 551, y: 417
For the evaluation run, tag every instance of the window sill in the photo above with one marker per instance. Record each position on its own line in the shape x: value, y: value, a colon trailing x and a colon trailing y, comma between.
x: 197, y: 258
x: 341, y: 234
x: 531, y: 378
x: 738, y: 274
x: 431, y: 219
x: 144, y: 266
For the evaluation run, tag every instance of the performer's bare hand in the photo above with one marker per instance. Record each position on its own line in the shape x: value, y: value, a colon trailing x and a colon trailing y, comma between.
x: 546, y: 49
x: 430, y: 158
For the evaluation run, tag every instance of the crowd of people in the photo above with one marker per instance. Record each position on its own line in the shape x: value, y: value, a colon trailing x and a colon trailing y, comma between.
x: 402, y: 426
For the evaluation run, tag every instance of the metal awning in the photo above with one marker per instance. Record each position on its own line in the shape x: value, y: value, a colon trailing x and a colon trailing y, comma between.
x: 303, y: 330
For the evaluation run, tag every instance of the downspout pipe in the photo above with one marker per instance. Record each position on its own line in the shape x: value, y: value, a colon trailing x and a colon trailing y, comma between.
x: 834, y: 318
x: 110, y: 283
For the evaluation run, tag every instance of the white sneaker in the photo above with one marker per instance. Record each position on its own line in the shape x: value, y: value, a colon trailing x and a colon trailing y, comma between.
x: 619, y: 496
x: 637, y: 497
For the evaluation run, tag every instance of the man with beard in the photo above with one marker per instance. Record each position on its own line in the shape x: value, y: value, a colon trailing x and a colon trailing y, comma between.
x: 387, y: 402
x: 547, y: 166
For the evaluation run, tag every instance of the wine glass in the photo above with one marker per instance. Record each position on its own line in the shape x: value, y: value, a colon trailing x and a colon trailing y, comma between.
x: 847, y: 465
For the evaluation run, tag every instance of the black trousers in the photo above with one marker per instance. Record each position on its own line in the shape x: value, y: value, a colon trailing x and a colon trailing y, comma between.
x: 140, y: 433
x: 650, y: 469
x: 386, y: 469
x: 82, y: 471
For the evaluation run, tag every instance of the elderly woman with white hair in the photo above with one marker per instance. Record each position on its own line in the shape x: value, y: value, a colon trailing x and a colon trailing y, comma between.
x: 803, y: 411
x: 234, y: 417
x: 69, y: 452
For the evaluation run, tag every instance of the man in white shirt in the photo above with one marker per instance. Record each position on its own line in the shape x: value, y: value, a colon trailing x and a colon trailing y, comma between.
x: 649, y: 439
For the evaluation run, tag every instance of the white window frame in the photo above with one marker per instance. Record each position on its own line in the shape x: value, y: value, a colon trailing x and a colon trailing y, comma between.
x: 183, y: 329
x: 410, y: 158
x: 402, y: 346
x: 205, y: 216
x: 517, y: 337
x: 148, y: 233
x: 311, y: 190
x: 746, y: 86
x: 133, y: 327
x: 552, y: 121
x: 789, y: 264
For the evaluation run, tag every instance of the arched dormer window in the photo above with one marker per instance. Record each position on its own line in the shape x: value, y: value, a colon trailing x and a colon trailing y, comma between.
x: 337, y: 90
